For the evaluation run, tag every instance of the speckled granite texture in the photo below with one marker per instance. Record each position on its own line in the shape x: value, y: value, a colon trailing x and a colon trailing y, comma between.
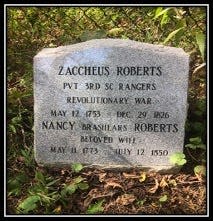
x: 110, y: 103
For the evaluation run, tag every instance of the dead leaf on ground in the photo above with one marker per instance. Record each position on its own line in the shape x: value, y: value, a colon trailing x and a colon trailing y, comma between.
x: 88, y: 173
x: 90, y: 196
x: 142, y: 177
x: 163, y: 182
x: 101, y: 177
x: 154, y: 189
x: 112, y: 184
x: 125, y: 199
x: 62, y: 172
x: 154, y: 205
x: 130, y: 176
x: 173, y: 182
x: 95, y: 194
x: 200, y: 177
x: 57, y: 209
x: 129, y: 184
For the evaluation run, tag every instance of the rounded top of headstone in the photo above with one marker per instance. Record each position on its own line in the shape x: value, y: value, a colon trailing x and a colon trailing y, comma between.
x: 112, y: 43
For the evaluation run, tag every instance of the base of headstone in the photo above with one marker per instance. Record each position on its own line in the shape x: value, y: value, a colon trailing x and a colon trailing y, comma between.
x: 157, y: 169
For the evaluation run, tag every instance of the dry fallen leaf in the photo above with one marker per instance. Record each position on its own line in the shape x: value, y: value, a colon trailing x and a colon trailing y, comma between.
x: 125, y: 199
x: 96, y: 194
x: 57, y: 209
x: 101, y: 177
x: 163, y: 182
x: 154, y: 205
x: 62, y: 172
x: 130, y: 176
x: 173, y: 182
x: 112, y: 184
x: 142, y: 177
x: 90, y: 196
x: 89, y: 173
x: 153, y: 189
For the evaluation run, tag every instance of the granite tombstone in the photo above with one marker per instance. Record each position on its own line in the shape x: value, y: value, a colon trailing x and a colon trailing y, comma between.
x: 110, y: 103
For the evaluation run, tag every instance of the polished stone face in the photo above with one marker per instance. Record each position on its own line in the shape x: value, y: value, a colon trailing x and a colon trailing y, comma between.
x: 110, y: 102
